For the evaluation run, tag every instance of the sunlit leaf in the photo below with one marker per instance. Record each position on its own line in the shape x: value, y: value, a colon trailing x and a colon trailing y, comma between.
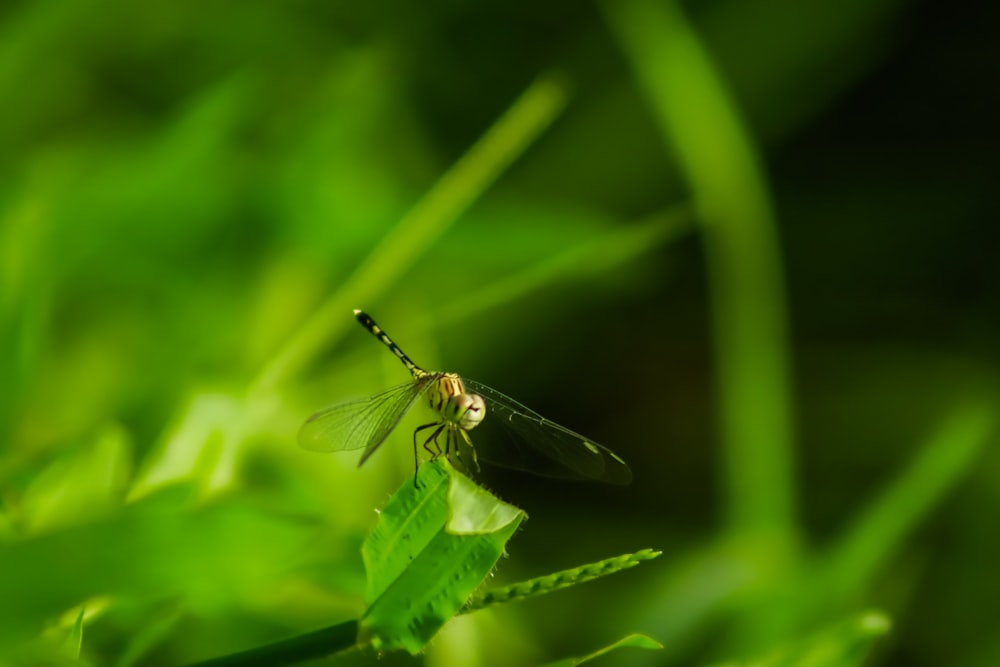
x: 436, y: 540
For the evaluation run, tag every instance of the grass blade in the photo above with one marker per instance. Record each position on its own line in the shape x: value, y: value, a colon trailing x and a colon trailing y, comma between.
x: 631, y: 641
x: 443, y: 204
x: 935, y: 470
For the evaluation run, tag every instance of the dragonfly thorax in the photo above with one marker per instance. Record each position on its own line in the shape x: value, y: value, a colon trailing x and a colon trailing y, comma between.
x: 455, y: 405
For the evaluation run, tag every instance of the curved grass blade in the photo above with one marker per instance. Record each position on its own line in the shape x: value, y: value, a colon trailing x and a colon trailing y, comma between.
x: 518, y: 437
x: 630, y: 641
x: 846, y: 644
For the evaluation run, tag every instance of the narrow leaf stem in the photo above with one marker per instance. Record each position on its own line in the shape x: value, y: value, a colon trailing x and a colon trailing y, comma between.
x: 309, y: 646
x: 558, y: 580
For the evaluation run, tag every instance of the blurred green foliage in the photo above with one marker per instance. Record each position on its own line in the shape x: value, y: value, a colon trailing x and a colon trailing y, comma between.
x: 750, y: 246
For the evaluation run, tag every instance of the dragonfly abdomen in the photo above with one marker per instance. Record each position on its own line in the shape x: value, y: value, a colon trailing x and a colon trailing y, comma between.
x: 374, y: 329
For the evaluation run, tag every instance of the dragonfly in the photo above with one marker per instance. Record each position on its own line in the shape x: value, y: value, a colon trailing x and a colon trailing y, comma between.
x: 515, y: 436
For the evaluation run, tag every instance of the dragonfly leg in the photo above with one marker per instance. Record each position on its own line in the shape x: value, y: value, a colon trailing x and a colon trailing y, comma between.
x: 443, y: 428
x: 416, y: 453
x: 450, y: 445
x: 431, y: 439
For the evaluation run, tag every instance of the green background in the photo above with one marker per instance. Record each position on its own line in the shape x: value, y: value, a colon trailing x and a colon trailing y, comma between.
x: 751, y: 247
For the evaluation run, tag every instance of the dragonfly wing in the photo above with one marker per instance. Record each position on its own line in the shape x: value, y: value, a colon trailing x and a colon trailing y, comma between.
x: 516, y: 436
x: 357, y: 424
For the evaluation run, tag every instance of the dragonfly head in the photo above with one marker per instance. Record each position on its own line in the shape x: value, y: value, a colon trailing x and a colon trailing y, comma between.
x: 466, y: 410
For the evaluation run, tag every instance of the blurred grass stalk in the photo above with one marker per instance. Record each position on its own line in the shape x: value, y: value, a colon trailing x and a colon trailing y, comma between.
x: 878, y: 532
x: 702, y: 125
x: 716, y: 153
x: 443, y: 204
x: 605, y: 253
x: 756, y: 569
x: 181, y: 456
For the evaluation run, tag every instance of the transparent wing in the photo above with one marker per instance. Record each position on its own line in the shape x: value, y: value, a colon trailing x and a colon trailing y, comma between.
x: 360, y: 423
x: 515, y: 436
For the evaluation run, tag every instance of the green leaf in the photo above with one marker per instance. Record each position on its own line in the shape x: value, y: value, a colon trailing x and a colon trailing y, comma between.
x: 210, y: 557
x: 80, y: 486
x: 633, y: 641
x: 435, y: 542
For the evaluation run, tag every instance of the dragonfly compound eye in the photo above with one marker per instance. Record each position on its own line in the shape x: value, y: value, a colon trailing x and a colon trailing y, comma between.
x: 469, y: 409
